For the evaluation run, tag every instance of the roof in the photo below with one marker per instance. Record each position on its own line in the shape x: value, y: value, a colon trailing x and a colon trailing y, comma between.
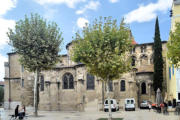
x: 150, y: 43
x: 11, y: 53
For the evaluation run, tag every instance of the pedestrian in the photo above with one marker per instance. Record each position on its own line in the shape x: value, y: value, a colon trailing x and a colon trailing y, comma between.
x: 149, y: 106
x: 16, y: 111
x: 22, y: 112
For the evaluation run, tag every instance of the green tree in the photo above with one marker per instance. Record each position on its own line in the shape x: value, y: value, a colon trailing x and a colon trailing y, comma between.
x: 104, y: 48
x: 174, y: 46
x: 158, y: 59
x: 37, y: 42
x: 1, y: 94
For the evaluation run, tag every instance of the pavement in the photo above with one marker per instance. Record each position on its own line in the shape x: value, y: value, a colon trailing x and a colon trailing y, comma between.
x: 93, y: 115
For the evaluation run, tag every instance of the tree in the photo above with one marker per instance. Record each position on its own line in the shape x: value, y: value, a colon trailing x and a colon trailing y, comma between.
x: 104, y: 48
x: 37, y: 42
x: 173, y: 46
x: 158, y: 59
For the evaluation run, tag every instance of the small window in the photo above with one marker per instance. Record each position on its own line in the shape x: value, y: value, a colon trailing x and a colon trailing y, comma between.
x: 169, y: 73
x: 143, y: 49
x: 42, y: 83
x: 178, y: 96
x: 123, y: 85
x: 133, y: 50
x: 90, y: 82
x: 110, y: 86
x: 133, y: 61
x: 173, y: 69
x: 152, y: 59
x: 22, y: 83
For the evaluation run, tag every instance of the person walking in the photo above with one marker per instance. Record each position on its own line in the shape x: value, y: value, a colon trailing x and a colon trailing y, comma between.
x: 149, y: 106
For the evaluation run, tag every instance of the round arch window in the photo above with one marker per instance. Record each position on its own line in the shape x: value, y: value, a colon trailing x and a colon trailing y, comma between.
x: 68, y: 81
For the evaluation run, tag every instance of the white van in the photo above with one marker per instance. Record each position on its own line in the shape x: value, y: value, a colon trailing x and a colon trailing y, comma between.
x: 129, y: 104
x: 114, y: 105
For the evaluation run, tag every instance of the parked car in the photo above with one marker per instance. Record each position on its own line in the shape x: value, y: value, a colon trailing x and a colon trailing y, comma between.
x: 129, y: 104
x: 114, y: 105
x: 145, y: 104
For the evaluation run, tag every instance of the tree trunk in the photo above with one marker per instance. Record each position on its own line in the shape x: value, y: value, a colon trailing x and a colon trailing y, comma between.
x: 102, y: 94
x: 109, y: 102
x: 36, y: 93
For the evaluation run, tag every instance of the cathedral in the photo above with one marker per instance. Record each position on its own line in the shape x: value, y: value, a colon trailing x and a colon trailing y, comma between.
x: 68, y: 85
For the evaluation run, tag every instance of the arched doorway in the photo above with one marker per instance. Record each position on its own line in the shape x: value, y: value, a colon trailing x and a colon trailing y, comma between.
x: 143, y: 88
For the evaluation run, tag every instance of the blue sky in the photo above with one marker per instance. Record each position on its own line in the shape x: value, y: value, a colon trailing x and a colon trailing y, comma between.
x: 71, y: 15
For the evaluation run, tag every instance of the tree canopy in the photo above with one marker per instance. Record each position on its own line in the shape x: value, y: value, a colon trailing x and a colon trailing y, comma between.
x: 36, y: 41
x: 104, y: 48
x: 38, y: 44
x: 174, y: 46
x: 158, y: 59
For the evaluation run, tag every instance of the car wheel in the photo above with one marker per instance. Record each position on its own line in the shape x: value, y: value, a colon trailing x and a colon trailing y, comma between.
x: 134, y: 109
x: 125, y: 109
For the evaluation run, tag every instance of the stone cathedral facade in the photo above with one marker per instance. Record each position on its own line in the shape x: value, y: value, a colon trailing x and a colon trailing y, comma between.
x: 68, y: 86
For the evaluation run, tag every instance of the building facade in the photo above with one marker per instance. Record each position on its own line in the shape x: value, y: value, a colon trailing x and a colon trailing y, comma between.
x: 173, y: 74
x: 68, y: 86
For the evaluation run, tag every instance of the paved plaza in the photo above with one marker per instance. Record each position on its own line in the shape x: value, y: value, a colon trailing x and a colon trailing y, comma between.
x: 94, y: 115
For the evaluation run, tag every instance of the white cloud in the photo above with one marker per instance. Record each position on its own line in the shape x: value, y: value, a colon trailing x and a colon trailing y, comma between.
x: 50, y: 13
x: 92, y: 5
x: 69, y: 3
x: 113, y: 1
x: 7, y: 5
x: 148, y: 12
x: 2, y: 70
x: 5, y: 24
x: 81, y: 22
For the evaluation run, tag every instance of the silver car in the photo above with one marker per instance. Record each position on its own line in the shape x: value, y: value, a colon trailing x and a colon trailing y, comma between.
x: 145, y: 104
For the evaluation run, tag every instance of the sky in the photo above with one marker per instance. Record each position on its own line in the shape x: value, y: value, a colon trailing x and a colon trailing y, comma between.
x: 71, y: 16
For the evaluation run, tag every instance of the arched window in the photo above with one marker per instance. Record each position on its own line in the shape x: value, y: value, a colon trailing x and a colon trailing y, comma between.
x: 133, y: 61
x: 144, y: 60
x: 123, y: 85
x: 68, y: 81
x: 143, y: 49
x: 90, y: 82
x: 143, y: 88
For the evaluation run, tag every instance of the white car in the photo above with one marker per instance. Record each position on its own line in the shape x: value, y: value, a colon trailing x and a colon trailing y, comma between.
x: 129, y: 104
x: 114, y: 105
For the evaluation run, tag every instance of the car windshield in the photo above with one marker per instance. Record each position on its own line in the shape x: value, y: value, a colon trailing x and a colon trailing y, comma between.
x: 130, y: 101
x: 107, y: 102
